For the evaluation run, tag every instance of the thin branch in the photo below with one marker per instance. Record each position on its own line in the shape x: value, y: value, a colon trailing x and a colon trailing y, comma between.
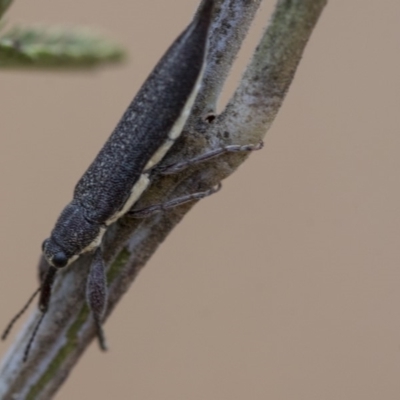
x: 272, y: 69
x: 68, y: 328
x: 231, y: 24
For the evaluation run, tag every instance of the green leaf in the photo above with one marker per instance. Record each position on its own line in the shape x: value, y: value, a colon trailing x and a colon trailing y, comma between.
x: 56, y: 47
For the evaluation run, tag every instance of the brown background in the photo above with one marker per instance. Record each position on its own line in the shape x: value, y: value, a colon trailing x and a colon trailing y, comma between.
x: 286, y: 284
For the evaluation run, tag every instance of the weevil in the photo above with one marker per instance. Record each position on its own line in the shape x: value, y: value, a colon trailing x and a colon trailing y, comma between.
x: 121, y: 171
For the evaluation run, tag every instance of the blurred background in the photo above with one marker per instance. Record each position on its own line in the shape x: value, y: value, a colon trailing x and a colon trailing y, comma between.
x: 285, y: 285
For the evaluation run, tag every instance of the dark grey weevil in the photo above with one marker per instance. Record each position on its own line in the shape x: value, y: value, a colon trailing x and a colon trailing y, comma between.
x: 121, y: 171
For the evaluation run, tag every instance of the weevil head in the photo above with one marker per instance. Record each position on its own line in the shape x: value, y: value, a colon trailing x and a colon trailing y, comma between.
x: 72, y: 236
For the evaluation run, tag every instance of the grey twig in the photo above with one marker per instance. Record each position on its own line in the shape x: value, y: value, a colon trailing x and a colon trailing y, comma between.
x: 68, y: 328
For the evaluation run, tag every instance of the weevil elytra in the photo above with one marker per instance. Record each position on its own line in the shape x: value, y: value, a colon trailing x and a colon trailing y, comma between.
x: 121, y: 171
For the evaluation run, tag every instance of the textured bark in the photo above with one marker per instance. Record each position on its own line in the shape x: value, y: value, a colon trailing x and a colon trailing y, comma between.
x: 68, y: 327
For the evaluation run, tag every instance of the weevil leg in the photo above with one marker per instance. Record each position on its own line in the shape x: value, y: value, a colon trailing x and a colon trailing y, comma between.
x: 177, y: 167
x: 160, y: 207
x: 45, y: 290
x: 96, y: 294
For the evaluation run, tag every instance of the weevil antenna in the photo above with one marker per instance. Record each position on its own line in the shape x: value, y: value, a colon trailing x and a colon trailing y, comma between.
x: 19, y: 314
x: 32, y: 338
x: 45, y: 294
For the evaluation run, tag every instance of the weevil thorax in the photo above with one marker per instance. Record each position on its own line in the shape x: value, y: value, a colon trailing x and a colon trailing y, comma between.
x: 72, y: 236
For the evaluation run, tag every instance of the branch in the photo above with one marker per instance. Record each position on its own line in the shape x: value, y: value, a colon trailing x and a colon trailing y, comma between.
x: 68, y: 328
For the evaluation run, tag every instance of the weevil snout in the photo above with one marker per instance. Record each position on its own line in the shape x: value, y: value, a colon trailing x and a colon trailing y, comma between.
x: 72, y: 236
